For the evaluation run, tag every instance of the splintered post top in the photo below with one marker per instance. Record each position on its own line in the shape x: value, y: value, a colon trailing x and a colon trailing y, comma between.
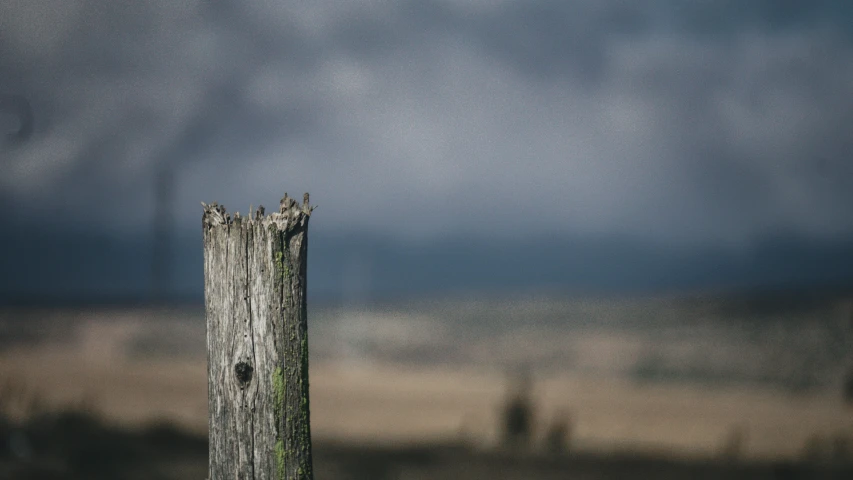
x: 290, y: 214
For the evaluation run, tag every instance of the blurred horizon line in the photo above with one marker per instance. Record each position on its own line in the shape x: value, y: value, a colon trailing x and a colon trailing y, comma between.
x: 789, y: 294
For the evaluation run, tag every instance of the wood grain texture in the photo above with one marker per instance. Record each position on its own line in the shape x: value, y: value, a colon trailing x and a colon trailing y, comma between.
x: 257, y: 342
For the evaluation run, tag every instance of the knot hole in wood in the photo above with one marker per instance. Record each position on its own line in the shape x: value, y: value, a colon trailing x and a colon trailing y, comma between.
x: 243, y: 371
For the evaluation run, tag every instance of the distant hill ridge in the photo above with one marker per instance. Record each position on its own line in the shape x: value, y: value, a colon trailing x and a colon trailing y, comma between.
x: 97, y: 267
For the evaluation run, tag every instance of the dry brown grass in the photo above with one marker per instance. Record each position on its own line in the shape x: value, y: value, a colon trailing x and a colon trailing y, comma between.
x: 113, y: 360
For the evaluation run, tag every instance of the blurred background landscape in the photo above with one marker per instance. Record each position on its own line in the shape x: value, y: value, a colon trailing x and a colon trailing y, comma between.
x: 581, y: 239
x: 733, y: 383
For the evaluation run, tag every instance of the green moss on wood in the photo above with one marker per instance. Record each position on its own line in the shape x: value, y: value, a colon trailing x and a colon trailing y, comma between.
x: 278, y: 387
x: 280, y: 458
x: 305, y: 431
x: 278, y: 382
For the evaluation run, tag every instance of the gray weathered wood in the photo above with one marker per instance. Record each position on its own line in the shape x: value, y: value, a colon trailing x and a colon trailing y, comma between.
x: 257, y: 342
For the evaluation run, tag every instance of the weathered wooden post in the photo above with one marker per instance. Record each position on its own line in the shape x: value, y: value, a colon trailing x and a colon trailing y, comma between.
x: 257, y: 342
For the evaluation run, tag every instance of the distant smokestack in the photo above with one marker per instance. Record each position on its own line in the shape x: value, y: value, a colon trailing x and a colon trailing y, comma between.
x: 162, y: 224
x: 19, y: 106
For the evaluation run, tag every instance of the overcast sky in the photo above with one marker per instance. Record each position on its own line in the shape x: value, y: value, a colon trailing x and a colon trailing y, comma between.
x: 688, y: 123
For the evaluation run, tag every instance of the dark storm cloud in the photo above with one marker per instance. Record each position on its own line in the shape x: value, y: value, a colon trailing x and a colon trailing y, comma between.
x: 687, y: 122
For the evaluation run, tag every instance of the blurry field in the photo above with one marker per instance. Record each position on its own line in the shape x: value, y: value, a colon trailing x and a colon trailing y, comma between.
x: 634, y: 378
